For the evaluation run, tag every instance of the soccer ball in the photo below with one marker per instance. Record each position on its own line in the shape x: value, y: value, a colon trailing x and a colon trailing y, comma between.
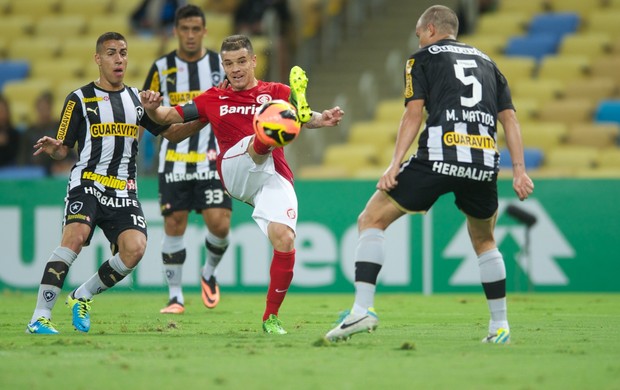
x: 276, y: 123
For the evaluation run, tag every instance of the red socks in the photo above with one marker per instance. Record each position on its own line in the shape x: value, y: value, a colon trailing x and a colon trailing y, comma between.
x: 260, y: 147
x: 281, y: 273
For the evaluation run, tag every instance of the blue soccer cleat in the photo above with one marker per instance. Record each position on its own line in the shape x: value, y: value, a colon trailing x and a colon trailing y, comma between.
x: 80, y: 310
x: 41, y: 326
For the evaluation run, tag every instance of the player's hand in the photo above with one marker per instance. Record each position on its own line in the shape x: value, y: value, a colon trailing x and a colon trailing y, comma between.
x: 331, y: 117
x: 523, y: 186
x: 388, y: 181
x: 150, y: 99
x: 47, y: 145
x: 224, y: 84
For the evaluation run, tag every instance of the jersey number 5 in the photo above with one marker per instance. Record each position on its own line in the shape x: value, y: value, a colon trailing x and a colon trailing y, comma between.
x: 476, y: 87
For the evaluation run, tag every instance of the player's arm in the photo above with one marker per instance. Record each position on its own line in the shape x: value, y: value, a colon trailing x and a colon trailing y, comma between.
x: 151, y: 101
x: 176, y: 132
x: 522, y: 184
x: 67, y: 134
x: 408, y: 130
x: 179, y: 131
x: 327, y: 118
x: 51, y: 146
x: 174, y: 126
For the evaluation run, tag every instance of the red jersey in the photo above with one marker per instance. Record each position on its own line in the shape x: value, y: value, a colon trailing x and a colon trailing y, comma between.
x: 231, y: 113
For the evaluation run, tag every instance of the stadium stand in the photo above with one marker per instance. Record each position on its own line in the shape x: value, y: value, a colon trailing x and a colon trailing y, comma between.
x: 583, y: 8
x: 594, y: 88
x: 593, y: 45
x: 559, y: 67
x: 608, y: 111
x: 607, y: 67
x: 599, y: 135
x: 58, y: 70
x: 78, y: 47
x: 85, y: 8
x: 542, y: 90
x: 351, y: 157
x: 16, y: 26
x: 516, y: 69
x: 560, y: 90
x: 60, y: 26
x: 502, y: 24
x: 527, y: 108
x: 528, y: 8
x: 381, y: 134
x: 572, y: 157
x: 536, y: 46
x: 565, y: 68
x: 605, y: 21
x: 543, y: 135
x: 609, y: 159
x: 390, y: 110
x: 491, y: 45
x: 554, y: 23
x: 33, y: 8
x: 567, y: 110
x: 123, y: 8
x: 324, y: 172
x: 13, y: 70
x: 22, y: 95
x: 533, y: 158
x: 97, y: 26
x: 34, y: 48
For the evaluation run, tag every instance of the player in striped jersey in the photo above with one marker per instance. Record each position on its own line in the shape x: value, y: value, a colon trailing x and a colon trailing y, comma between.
x: 465, y: 94
x: 103, y: 118
x: 252, y: 171
x: 188, y: 178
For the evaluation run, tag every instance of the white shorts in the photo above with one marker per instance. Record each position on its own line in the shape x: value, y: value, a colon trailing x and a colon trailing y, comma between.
x: 272, y: 196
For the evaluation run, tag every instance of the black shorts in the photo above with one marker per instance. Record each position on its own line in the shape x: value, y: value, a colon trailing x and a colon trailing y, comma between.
x: 186, y: 192
x: 421, y: 183
x: 112, y: 214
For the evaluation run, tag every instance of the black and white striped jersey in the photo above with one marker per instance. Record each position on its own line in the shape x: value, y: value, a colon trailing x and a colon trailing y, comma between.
x: 105, y: 125
x: 179, y: 81
x: 463, y: 91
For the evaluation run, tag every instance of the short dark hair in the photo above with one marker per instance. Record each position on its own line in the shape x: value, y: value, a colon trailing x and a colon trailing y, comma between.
x: 188, y: 11
x: 237, y: 42
x: 443, y: 18
x: 109, y: 36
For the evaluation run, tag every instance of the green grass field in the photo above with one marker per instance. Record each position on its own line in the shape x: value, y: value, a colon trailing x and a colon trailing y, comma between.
x: 560, y: 341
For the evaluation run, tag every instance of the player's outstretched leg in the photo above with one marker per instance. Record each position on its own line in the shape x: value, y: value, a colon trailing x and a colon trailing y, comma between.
x: 299, y: 82
x: 351, y: 323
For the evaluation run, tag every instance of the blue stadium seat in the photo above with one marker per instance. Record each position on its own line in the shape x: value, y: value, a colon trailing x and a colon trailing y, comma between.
x: 532, y: 45
x: 556, y: 23
x: 608, y: 111
x: 22, y: 172
x: 533, y: 158
x: 13, y: 70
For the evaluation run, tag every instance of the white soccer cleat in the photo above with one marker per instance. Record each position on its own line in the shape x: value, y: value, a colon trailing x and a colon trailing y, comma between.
x: 501, y: 337
x: 351, y: 323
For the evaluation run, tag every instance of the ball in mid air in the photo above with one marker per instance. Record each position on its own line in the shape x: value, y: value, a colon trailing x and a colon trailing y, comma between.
x: 276, y: 123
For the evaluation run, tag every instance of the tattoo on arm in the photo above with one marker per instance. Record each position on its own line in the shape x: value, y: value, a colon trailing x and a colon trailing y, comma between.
x: 312, y: 123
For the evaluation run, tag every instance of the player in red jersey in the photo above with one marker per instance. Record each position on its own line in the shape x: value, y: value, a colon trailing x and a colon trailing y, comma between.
x: 250, y: 170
